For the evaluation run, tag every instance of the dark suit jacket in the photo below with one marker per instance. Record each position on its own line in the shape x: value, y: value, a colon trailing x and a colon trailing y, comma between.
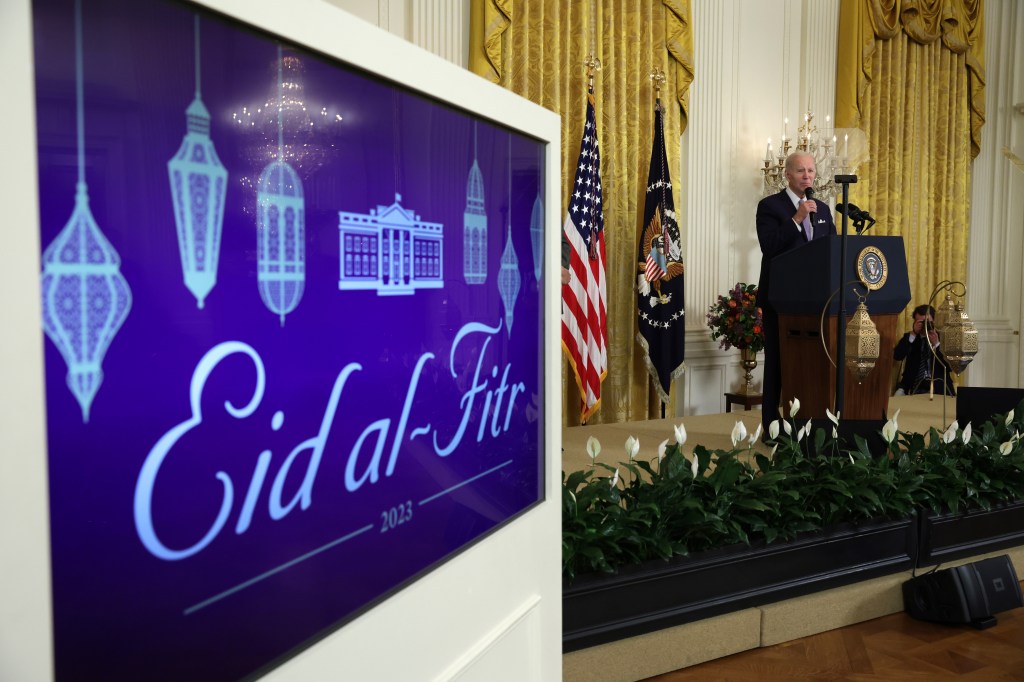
x: 777, y: 233
x: 916, y: 353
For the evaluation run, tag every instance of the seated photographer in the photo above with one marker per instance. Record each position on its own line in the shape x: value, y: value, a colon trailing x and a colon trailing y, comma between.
x: 922, y: 368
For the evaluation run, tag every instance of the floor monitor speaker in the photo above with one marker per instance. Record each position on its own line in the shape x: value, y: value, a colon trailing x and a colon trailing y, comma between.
x: 971, y: 593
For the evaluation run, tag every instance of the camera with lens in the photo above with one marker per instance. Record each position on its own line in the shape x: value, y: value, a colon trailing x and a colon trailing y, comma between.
x: 929, y: 326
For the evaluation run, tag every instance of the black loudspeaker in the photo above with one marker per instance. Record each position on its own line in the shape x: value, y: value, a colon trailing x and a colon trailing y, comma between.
x: 965, y: 594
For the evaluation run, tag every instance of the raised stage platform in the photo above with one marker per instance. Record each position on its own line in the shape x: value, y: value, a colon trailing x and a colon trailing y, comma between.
x: 677, y: 647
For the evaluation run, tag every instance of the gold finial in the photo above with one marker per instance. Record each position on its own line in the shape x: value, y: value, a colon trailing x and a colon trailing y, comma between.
x: 593, y: 64
x: 657, y: 77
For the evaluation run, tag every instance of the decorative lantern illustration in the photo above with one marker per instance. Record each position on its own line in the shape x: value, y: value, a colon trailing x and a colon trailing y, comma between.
x: 537, y: 236
x: 281, y: 232
x: 198, y: 184
x: 508, y: 276
x: 474, y: 225
x: 85, y: 297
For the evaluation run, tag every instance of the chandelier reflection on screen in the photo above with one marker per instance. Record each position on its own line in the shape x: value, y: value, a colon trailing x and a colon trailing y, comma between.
x: 308, y: 127
x: 831, y: 157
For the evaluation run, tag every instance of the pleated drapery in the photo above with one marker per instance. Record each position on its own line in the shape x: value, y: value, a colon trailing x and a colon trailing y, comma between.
x: 536, y: 49
x: 910, y: 74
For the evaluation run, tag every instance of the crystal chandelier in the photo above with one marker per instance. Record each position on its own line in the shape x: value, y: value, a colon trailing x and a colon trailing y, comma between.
x: 309, y: 128
x: 831, y: 157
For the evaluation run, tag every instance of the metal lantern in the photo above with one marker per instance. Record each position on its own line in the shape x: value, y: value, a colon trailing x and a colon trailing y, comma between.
x: 198, y: 185
x: 509, y: 279
x: 281, y: 235
x: 862, y: 343
x: 474, y: 227
x: 959, y: 339
x: 85, y: 297
x: 537, y: 236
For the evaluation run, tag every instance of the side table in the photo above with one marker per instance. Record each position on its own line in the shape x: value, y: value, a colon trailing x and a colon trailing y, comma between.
x: 747, y: 401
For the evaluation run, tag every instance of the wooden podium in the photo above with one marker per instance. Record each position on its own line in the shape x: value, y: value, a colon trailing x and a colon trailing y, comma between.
x: 802, y: 282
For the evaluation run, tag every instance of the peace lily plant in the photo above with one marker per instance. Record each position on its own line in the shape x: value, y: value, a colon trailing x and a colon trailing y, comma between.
x: 681, y: 501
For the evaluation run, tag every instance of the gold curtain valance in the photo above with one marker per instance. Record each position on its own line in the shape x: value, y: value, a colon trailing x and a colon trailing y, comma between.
x: 958, y: 23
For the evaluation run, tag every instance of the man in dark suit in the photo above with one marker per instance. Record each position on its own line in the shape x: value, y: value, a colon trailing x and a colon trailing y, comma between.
x: 921, y: 368
x: 785, y: 221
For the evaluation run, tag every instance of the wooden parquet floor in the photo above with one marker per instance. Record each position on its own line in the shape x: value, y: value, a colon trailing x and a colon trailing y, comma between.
x: 893, y: 648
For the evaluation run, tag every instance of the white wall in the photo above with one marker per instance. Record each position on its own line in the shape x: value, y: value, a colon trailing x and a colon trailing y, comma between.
x: 995, y: 271
x: 491, y: 613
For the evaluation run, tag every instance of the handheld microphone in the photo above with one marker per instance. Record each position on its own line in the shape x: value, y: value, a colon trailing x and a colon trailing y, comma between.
x: 809, y: 196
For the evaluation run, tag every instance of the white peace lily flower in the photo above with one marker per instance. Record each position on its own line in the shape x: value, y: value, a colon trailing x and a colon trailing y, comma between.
x: 835, y: 433
x: 1006, y: 448
x: 889, y: 431
x: 800, y: 434
x: 950, y: 434
x: 773, y: 429
x: 787, y: 428
x: 794, y: 407
x: 680, y: 435
x: 632, y: 447
x: 772, y: 453
x: 967, y: 433
x: 851, y: 457
x: 615, y: 480
x: 1009, y: 417
x: 757, y: 434
x: 834, y: 418
x: 693, y: 465
x: 739, y: 432
x: 661, y: 449
x: 895, y: 417
x: 593, y: 448
x: 807, y: 427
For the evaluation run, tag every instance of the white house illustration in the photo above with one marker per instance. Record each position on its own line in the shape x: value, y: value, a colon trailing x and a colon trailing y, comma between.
x: 390, y: 249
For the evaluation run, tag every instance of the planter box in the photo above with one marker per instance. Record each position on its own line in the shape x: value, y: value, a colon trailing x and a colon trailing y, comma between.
x: 597, y: 609
x: 947, y: 537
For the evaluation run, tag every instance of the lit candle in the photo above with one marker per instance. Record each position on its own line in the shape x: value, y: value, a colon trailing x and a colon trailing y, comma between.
x: 828, y: 119
x: 768, y: 152
x: 846, y: 148
x: 785, y: 126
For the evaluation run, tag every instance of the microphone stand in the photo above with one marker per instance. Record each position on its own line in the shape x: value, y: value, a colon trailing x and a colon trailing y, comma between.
x: 845, y: 181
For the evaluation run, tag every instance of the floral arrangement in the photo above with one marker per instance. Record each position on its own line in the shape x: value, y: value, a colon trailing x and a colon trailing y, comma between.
x: 735, y: 320
x: 683, y: 501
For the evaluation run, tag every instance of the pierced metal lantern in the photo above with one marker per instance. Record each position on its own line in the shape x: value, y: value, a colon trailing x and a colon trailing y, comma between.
x: 198, y: 185
x: 862, y: 343
x: 281, y: 237
x: 85, y: 297
x: 474, y: 229
x: 537, y: 236
x: 509, y: 279
x: 958, y: 337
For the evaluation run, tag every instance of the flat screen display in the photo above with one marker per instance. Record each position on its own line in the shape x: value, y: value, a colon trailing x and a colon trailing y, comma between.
x: 293, y: 326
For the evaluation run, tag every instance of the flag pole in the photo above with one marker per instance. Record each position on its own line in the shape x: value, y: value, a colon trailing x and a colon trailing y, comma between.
x: 657, y: 77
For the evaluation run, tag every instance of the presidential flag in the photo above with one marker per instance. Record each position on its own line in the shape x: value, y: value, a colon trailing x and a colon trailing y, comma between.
x: 660, y: 309
x: 584, y: 298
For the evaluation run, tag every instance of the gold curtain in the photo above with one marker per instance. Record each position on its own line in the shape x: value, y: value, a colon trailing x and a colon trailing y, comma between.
x: 536, y: 49
x: 910, y: 74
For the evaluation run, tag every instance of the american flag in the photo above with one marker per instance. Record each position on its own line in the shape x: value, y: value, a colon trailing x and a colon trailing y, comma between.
x: 584, y: 298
